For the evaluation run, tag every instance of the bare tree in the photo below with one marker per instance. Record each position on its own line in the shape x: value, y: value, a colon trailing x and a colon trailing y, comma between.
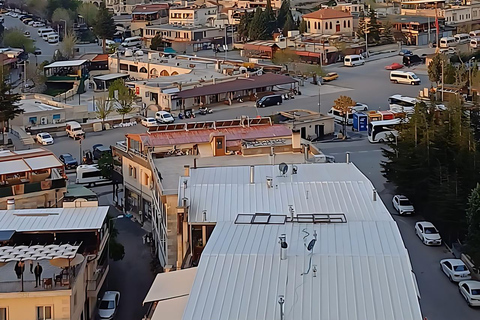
x: 104, y: 108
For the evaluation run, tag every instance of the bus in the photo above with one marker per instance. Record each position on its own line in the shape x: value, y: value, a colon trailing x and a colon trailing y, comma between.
x: 399, y: 103
x: 384, y: 130
x: 90, y: 174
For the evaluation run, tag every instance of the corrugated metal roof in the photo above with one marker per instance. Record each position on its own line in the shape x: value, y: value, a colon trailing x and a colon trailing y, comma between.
x: 69, y: 63
x: 359, y: 270
x: 13, y: 166
x: 45, y: 162
x: 170, y: 138
x: 53, y: 219
x: 225, y: 192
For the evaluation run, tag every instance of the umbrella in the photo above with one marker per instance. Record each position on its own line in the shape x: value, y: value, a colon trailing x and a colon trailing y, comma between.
x: 63, y: 262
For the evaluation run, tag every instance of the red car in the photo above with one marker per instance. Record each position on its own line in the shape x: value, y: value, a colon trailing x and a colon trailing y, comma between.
x: 394, y: 66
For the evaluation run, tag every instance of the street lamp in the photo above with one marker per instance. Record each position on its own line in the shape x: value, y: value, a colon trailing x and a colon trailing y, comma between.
x: 470, y: 77
x: 65, y: 31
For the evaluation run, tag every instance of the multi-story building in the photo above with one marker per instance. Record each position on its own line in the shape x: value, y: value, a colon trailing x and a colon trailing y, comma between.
x: 70, y: 244
x: 119, y: 7
x: 462, y: 15
x: 146, y: 15
x: 329, y: 21
x: 32, y: 178
x: 193, y: 16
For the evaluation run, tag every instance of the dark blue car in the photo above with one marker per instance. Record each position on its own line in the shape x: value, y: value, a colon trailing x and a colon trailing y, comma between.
x: 68, y: 160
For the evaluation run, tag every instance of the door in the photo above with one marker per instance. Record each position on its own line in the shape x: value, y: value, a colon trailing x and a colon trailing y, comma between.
x: 319, y: 131
x: 338, y: 28
x: 303, y: 133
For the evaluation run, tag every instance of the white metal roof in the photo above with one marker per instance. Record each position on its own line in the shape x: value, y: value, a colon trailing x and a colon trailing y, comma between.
x: 53, y: 219
x: 37, y: 252
x: 70, y: 63
x: 171, y: 285
x: 13, y: 166
x: 111, y: 76
x: 359, y: 270
x: 44, y: 162
x: 225, y: 192
x: 170, y: 309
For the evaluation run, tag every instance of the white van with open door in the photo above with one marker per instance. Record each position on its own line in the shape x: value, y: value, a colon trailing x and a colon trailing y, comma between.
x: 353, y: 60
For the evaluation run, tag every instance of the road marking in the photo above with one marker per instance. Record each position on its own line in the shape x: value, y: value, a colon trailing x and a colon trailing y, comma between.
x: 363, y: 151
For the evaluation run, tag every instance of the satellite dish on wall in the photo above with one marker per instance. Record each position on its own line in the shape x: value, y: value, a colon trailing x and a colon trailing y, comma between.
x: 283, y: 167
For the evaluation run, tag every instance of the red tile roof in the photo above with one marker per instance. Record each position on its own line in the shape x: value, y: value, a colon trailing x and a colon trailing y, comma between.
x: 142, y: 8
x: 101, y: 57
x: 232, y: 135
x: 327, y: 14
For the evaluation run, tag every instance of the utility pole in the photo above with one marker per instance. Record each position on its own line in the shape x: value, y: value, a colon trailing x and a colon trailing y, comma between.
x: 226, y: 45
x: 443, y: 79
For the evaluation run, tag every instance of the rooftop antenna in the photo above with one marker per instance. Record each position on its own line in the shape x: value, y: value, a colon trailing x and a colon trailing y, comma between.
x: 281, y: 302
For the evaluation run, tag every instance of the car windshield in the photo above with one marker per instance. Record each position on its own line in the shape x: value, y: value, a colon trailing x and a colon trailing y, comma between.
x: 405, y: 203
x: 107, y: 304
x: 475, y: 292
x: 46, y: 136
x: 414, y: 76
x: 430, y: 230
x: 67, y: 157
x: 460, y: 268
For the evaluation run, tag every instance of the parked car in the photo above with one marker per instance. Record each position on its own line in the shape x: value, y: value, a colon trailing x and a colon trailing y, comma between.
x: 44, y: 138
x: 149, y: 122
x: 271, y: 100
x: 99, y: 150
x: 74, y: 130
x: 37, y: 52
x: 164, y: 117
x: 68, y: 160
x: 404, y: 52
x: 427, y: 232
x: 455, y: 269
x: 358, y: 107
x: 38, y: 24
x: 330, y: 77
x: 470, y: 290
x: 30, y: 23
x: 402, y: 205
x: 108, y: 306
x: 394, y: 66
x: 413, y: 60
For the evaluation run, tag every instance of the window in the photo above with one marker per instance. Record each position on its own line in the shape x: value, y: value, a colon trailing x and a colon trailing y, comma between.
x: 308, y: 22
x: 123, y: 66
x: 134, y: 175
x: 44, y: 313
x: 349, y: 23
x: 344, y: 23
x: 145, y: 179
x: 3, y: 313
x: 330, y: 26
x: 130, y: 171
x: 326, y: 25
x: 315, y: 25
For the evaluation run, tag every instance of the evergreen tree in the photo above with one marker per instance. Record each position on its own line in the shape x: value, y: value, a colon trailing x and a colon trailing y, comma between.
x: 257, y: 26
x: 373, y: 27
x: 387, y: 32
x: 435, y: 68
x: 362, y: 25
x: 269, y: 21
x: 9, y: 105
x: 302, y: 28
x: 289, y: 24
x: 282, y: 13
x: 104, y: 26
x: 243, y: 28
x: 473, y: 221
x: 157, y: 42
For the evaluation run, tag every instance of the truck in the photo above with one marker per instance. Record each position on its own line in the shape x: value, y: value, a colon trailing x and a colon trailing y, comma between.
x: 74, y: 130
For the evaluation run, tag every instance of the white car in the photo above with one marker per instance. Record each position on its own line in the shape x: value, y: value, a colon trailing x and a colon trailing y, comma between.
x: 402, y: 205
x: 38, y: 24
x: 470, y: 290
x: 44, y: 138
x: 427, y: 232
x: 164, y: 117
x: 149, y: 122
x: 358, y: 107
x: 108, y: 306
x: 31, y: 23
x: 455, y: 269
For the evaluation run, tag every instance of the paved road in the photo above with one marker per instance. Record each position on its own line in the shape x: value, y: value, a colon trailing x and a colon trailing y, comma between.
x: 440, y: 298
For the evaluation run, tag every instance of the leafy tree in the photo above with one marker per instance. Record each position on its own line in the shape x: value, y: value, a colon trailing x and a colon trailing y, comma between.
x: 38, y: 7
x: 435, y: 68
x: 243, y: 28
x: 157, y: 42
x: 67, y: 47
x: 123, y: 96
x: 473, y: 221
x: 9, y: 105
x: 16, y: 39
x: 302, y: 27
x: 104, y: 109
x: 344, y: 105
x: 104, y: 27
x: 89, y: 12
x: 373, y: 26
x: 289, y: 24
x: 60, y: 15
x: 105, y: 164
x: 282, y: 13
x: 52, y: 5
x: 387, y: 32
x: 285, y: 57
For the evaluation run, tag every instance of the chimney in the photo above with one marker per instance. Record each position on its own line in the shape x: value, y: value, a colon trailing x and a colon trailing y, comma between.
x: 204, y: 214
x: 305, y: 152
x: 194, y: 163
x: 11, y: 204
x: 252, y: 174
x: 283, y: 246
x: 348, y: 157
x: 374, y: 194
x: 186, y: 169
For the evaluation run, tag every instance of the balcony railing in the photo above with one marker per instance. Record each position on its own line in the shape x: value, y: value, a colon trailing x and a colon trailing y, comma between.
x: 98, y: 277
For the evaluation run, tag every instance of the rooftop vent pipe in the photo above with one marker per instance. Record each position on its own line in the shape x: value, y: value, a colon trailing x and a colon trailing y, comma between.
x: 281, y: 302
x: 186, y: 169
x: 348, y: 157
x: 11, y: 204
x: 283, y: 246
x: 374, y: 194
x: 252, y: 174
x: 269, y: 182
x: 291, y: 210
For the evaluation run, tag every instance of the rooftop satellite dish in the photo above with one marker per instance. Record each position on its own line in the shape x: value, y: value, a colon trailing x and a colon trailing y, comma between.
x: 283, y: 167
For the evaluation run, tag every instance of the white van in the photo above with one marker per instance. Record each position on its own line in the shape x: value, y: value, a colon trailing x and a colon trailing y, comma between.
x: 41, y: 31
x: 46, y: 34
x: 353, y: 60
x: 132, y: 42
x: 475, y: 43
x: 461, y: 38
x: 90, y: 174
x: 164, y: 117
x: 474, y: 33
x: 447, y: 42
x: 337, y: 115
x: 52, y: 38
x: 406, y: 77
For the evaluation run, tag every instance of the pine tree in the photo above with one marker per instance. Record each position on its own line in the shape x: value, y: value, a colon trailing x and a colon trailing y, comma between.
x: 243, y: 28
x: 269, y: 21
x: 9, y: 107
x: 473, y: 221
x: 302, y: 28
x: 282, y: 13
x: 257, y: 26
x: 373, y: 26
x: 157, y: 42
x: 104, y: 26
x: 387, y: 32
x: 362, y: 25
x: 289, y: 24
